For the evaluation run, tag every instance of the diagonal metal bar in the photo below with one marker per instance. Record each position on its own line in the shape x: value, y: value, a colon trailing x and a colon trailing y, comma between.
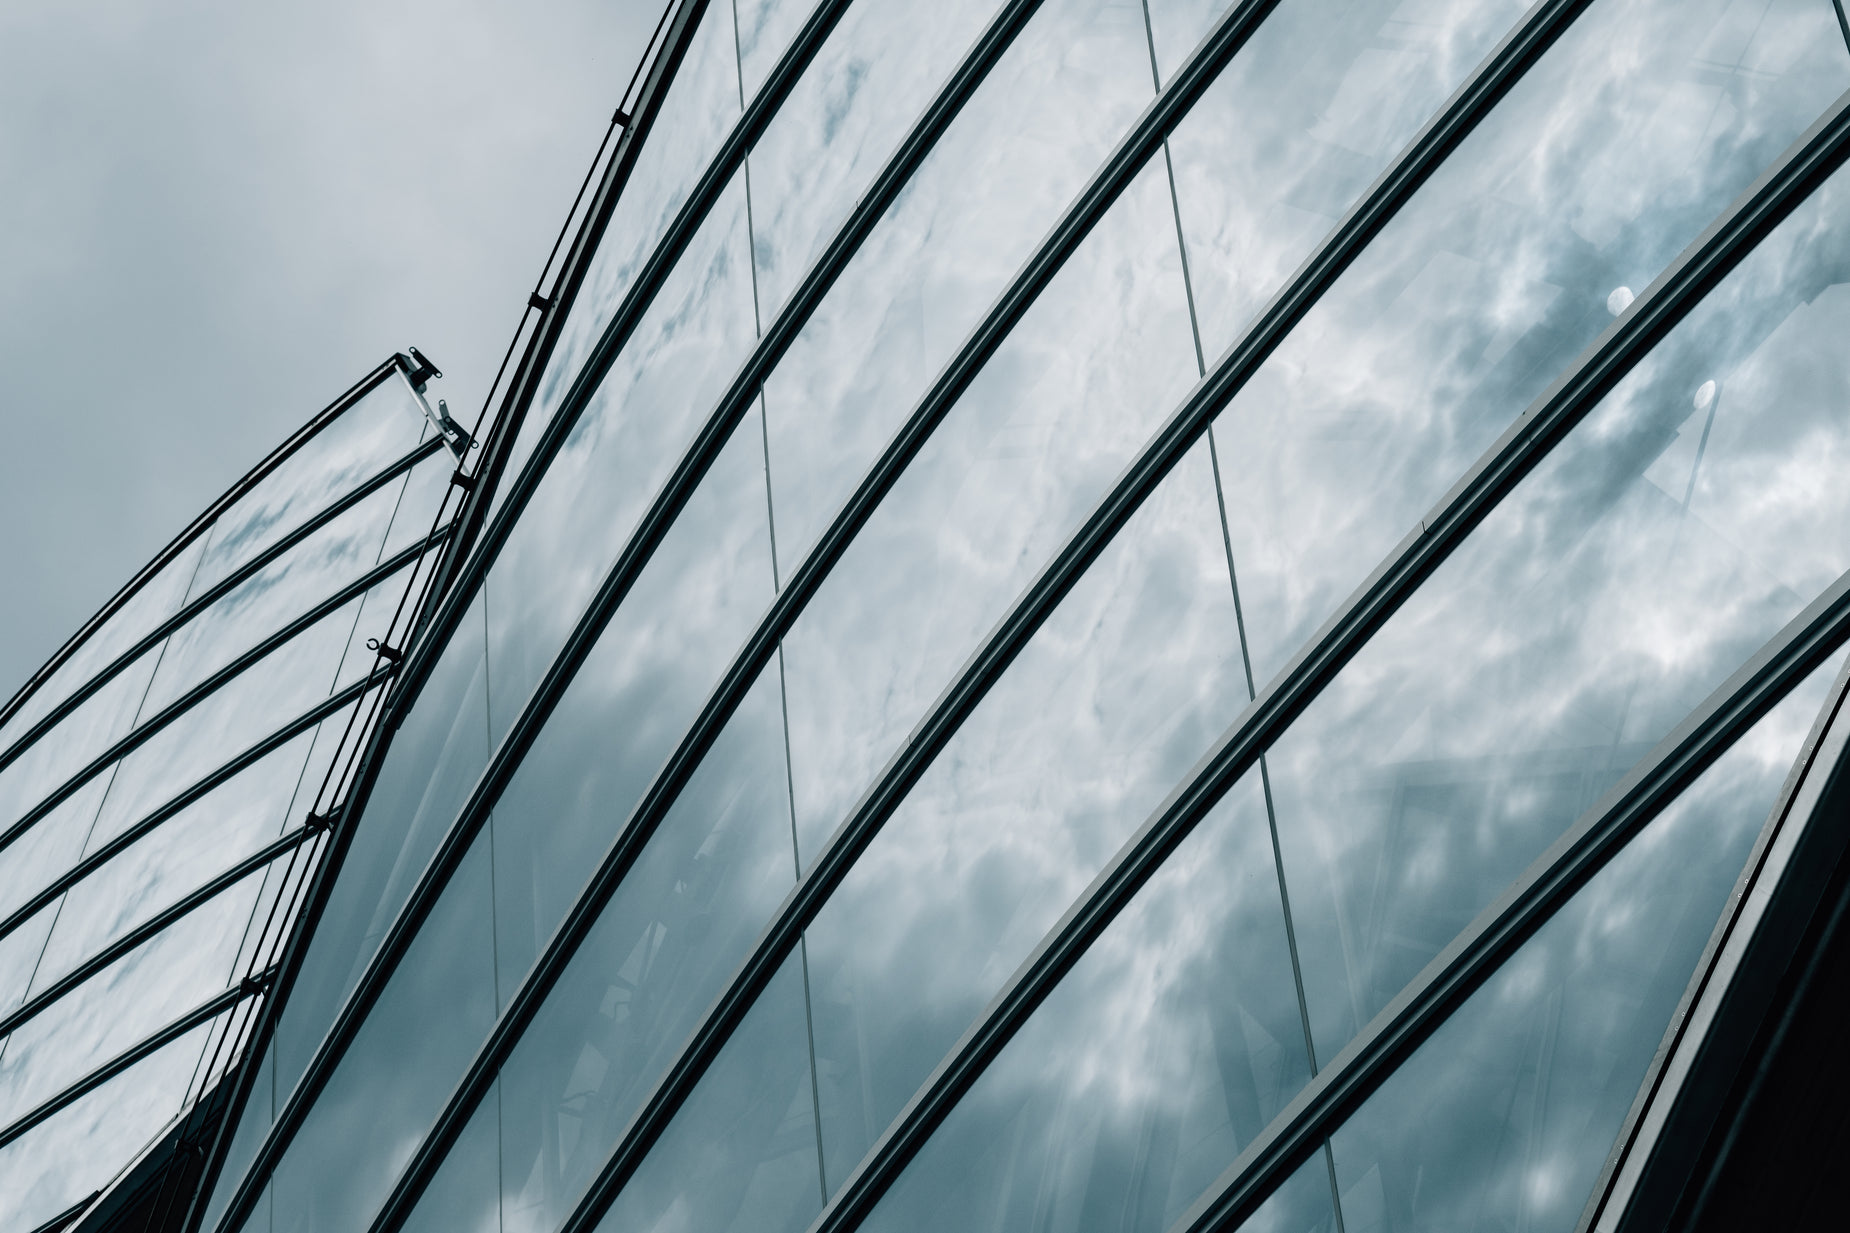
x: 1572, y: 395
x: 1477, y: 952
x: 270, y: 744
x: 459, y: 579
x: 122, y: 1061
x: 217, y: 592
x: 277, y: 457
x: 1543, y: 23
x: 636, y: 301
x: 1674, y: 1145
x: 206, y: 688
x: 158, y: 923
x: 773, y: 344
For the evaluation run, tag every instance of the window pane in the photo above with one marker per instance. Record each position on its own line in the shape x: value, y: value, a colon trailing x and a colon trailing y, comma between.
x: 1503, y: 1118
x: 1605, y: 597
x: 1609, y: 156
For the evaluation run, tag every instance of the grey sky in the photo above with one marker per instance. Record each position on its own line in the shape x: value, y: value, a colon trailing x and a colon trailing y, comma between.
x: 215, y: 216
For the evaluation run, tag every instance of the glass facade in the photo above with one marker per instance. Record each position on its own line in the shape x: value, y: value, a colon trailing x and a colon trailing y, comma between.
x: 1090, y: 615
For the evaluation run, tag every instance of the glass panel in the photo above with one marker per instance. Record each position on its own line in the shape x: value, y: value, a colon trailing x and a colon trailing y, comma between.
x: 50, y: 762
x: 1603, y: 162
x: 241, y: 713
x: 1171, y: 1044
x: 1176, y: 26
x: 464, y: 1196
x: 185, y: 852
x: 81, y: 1147
x: 1503, y: 1118
x: 279, y: 593
x: 1608, y: 594
x: 20, y: 949
x: 700, y: 109
x: 259, y: 1111
x: 435, y: 758
x: 1301, y: 1204
x: 741, y: 1153
x: 1076, y: 77
x: 159, y: 598
x: 123, y: 1004
x: 652, y: 669
x: 878, y: 70
x: 1319, y: 103
x: 624, y: 448
x: 679, y: 925
x: 1024, y: 456
x: 419, y: 499
x: 766, y: 30
x: 367, y: 1121
x: 53, y: 844
x: 1109, y: 705
x: 375, y: 432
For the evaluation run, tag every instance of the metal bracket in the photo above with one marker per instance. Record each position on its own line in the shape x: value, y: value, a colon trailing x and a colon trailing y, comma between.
x: 462, y: 481
x: 421, y: 370
x: 536, y: 300
x: 384, y: 651
x: 621, y: 119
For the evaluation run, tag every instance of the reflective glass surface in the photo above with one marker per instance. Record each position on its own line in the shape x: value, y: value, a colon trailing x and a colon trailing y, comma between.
x: 878, y: 70
x: 368, y: 1119
x: 188, y: 850
x: 81, y: 1147
x: 1612, y: 590
x: 1174, y: 1041
x: 1022, y: 147
x: 699, y: 110
x: 1609, y: 156
x: 435, y: 758
x: 1016, y: 466
x: 629, y: 440
x: 679, y: 924
x: 1317, y: 104
x: 741, y: 1153
x: 123, y: 1004
x: 1102, y: 713
x: 53, y: 844
x: 766, y: 28
x: 384, y: 425
x: 1504, y: 1116
x: 157, y: 599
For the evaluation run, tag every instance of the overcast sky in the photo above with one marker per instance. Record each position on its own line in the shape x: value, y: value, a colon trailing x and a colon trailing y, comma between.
x: 216, y: 215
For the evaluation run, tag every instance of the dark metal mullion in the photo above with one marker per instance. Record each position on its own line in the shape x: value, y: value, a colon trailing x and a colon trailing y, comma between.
x: 155, y: 924
x: 798, y: 308
x: 458, y: 578
x: 122, y: 1061
x: 211, y: 685
x: 217, y: 592
x: 128, y: 838
x: 179, y: 543
x: 1568, y: 399
x: 1477, y: 952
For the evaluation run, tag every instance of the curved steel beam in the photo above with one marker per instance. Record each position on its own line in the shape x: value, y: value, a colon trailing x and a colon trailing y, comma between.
x: 122, y: 1061
x: 1564, y: 404
x: 277, y: 457
x: 223, y: 588
x: 772, y: 345
x: 206, y: 688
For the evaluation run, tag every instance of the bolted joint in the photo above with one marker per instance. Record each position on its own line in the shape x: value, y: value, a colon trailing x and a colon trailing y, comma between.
x: 391, y: 653
x: 536, y: 300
